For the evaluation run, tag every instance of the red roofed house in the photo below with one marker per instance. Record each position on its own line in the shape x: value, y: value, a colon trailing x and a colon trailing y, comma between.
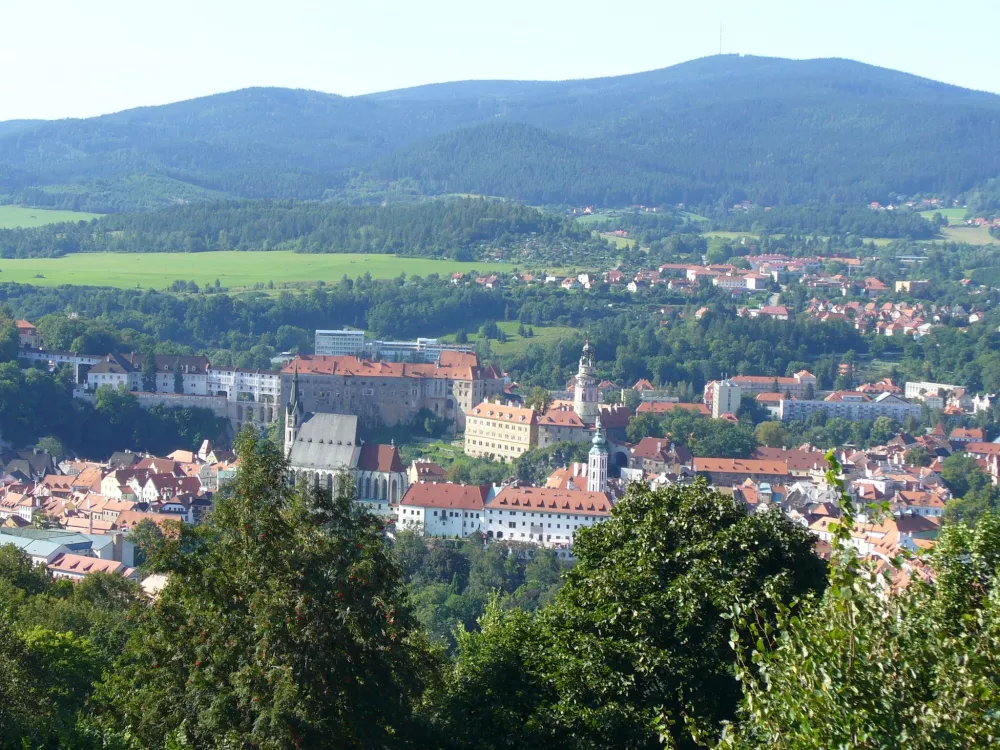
x: 442, y: 509
x: 658, y: 455
x: 76, y: 567
x: 426, y: 471
x: 544, y: 516
x: 28, y: 335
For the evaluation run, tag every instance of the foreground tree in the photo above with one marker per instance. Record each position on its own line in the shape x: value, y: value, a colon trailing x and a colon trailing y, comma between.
x: 863, y: 666
x: 283, y: 625
x: 638, y: 638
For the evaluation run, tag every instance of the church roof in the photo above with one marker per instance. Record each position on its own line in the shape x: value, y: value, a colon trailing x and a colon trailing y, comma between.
x: 377, y: 457
x: 326, y: 442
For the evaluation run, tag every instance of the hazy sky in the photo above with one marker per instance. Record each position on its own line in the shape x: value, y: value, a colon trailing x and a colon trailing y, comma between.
x: 70, y: 58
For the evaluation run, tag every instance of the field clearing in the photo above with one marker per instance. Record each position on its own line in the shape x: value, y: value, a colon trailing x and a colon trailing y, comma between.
x: 544, y: 335
x: 233, y: 269
x: 972, y: 235
x: 13, y: 217
x: 594, y: 219
x: 879, y: 241
x: 953, y: 215
x: 618, y: 242
x: 694, y: 217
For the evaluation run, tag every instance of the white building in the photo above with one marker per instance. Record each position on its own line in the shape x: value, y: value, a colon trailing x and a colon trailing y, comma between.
x: 341, y: 343
x: 237, y: 384
x: 852, y: 407
x: 726, y: 398
x: 442, y: 509
x: 544, y: 516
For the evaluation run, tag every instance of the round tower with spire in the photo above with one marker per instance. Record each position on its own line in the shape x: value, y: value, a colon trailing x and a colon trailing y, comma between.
x: 293, y: 413
x: 597, y: 461
x: 585, y: 396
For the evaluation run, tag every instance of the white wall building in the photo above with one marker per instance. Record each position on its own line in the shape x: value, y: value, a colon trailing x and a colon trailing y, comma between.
x: 543, y: 516
x: 340, y: 343
x: 442, y: 509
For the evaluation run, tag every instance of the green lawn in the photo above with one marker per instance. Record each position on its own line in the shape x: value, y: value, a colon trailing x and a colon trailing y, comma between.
x: 544, y: 335
x: 232, y: 269
x: 618, y: 242
x: 594, y: 219
x: 20, y: 216
x: 972, y: 235
x: 953, y: 215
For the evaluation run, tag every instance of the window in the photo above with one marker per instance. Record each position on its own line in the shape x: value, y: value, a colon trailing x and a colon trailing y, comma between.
x: 512, y: 524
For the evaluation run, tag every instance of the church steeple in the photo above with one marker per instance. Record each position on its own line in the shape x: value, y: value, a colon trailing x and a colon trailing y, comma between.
x: 293, y: 413
x: 597, y: 461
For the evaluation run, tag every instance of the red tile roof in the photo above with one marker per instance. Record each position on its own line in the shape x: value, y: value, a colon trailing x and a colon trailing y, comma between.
x: 550, y: 500
x: 446, y: 495
x: 452, y: 365
x: 378, y: 457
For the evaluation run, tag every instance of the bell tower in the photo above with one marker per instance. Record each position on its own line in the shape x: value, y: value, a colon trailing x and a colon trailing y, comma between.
x: 597, y: 461
x: 585, y: 387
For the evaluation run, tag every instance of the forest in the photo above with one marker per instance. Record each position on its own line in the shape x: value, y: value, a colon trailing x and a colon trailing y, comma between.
x: 289, y: 621
x: 458, y: 229
x: 828, y: 219
x: 712, y: 131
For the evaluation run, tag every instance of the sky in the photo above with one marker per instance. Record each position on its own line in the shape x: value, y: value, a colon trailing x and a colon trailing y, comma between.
x: 68, y: 58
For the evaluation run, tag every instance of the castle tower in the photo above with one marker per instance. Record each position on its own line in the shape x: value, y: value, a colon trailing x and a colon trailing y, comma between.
x: 597, y: 461
x: 585, y: 397
x: 293, y: 413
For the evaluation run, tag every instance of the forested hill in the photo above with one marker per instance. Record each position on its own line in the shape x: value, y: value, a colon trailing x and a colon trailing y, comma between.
x: 457, y: 228
x: 719, y: 128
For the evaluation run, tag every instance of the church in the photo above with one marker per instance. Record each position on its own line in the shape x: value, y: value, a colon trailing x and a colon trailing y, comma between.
x: 322, y: 447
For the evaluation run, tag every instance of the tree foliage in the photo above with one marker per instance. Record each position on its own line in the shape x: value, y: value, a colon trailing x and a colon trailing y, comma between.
x: 284, y: 624
x: 636, y: 637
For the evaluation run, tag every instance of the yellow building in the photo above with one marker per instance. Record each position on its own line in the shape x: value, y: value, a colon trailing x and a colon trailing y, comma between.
x: 500, y: 432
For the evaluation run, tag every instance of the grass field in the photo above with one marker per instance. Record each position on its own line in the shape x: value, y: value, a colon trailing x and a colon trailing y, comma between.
x: 618, y: 242
x: 972, y: 235
x: 879, y: 241
x: 544, y: 335
x: 594, y: 219
x: 12, y: 217
x: 953, y: 215
x: 232, y: 269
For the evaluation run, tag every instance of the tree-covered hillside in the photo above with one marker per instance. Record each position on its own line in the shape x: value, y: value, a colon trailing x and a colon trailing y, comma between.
x: 777, y: 131
x: 436, y: 228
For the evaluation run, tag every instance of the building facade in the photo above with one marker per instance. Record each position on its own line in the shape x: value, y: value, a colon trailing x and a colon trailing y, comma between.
x: 851, y: 408
x: 500, y: 432
x: 544, y: 516
x: 392, y: 392
x: 345, y: 343
x: 323, y: 449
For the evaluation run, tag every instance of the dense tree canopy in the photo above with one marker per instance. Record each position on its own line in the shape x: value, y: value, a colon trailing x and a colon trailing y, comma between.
x: 637, y: 638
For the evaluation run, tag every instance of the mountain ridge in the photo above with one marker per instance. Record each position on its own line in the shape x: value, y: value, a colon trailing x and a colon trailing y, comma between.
x: 710, y: 129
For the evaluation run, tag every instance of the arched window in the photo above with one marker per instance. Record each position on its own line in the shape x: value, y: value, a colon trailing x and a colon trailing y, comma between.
x: 368, y: 488
x: 385, y: 490
x: 361, y: 487
x: 392, y: 496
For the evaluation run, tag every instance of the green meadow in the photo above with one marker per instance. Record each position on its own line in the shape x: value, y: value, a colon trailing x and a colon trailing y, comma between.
x: 13, y: 217
x: 233, y: 269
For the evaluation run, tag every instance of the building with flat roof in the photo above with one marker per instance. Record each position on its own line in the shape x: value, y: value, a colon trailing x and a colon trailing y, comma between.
x: 344, y: 342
